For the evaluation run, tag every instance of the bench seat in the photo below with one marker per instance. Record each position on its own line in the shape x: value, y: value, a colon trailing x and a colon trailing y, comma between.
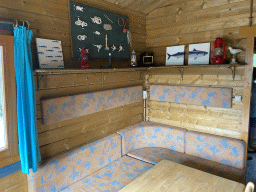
x: 65, y: 169
x: 154, y: 155
x: 151, y: 134
x: 111, y: 178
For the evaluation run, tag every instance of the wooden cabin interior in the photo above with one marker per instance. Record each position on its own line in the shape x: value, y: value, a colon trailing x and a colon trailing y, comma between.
x: 154, y: 26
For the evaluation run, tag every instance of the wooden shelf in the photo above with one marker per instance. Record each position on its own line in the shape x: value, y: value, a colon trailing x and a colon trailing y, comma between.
x: 235, y: 69
x: 199, y: 65
x: 79, y: 71
x: 62, y: 71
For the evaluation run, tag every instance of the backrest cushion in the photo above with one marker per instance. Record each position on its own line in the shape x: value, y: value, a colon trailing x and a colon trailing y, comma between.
x: 206, y: 96
x: 150, y: 134
x: 215, y: 148
x: 63, y: 108
x: 66, y: 169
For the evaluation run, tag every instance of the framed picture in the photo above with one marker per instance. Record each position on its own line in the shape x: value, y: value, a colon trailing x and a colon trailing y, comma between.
x: 199, y: 53
x: 175, y: 55
x: 49, y: 53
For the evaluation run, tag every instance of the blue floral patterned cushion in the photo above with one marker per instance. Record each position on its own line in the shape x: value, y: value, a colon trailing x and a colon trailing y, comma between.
x: 154, y: 155
x: 68, y: 168
x: 111, y: 178
x: 224, y: 150
x: 64, y: 108
x: 150, y: 134
x: 206, y: 96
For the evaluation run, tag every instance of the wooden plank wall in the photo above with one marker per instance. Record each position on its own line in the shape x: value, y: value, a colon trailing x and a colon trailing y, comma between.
x: 63, y: 136
x: 219, y: 121
x: 196, y: 21
x: 15, y: 182
x: 50, y: 19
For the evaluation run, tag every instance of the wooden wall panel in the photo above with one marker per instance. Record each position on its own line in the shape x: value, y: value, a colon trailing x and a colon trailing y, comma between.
x: 50, y: 19
x: 63, y: 136
x: 218, y: 121
x: 15, y: 182
x: 184, y: 23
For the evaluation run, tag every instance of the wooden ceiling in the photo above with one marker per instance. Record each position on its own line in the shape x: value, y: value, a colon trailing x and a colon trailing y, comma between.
x: 144, y: 6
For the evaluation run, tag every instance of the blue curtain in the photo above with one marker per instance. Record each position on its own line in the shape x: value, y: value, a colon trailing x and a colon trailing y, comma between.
x: 26, y: 106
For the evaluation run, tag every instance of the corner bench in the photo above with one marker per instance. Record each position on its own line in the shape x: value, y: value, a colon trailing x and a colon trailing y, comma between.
x: 114, y: 161
x: 111, y: 163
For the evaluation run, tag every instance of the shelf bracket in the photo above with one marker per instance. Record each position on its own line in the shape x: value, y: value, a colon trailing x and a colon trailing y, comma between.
x: 38, y: 80
x: 233, y: 69
x: 181, y: 70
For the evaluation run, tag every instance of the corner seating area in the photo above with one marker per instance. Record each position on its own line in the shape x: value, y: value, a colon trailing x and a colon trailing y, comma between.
x: 112, y: 162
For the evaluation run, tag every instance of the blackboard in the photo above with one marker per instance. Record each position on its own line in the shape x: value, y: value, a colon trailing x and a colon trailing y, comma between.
x: 83, y: 31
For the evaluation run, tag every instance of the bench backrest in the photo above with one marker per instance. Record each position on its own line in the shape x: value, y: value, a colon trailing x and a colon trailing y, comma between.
x: 150, y: 134
x: 206, y: 96
x: 68, y: 168
x: 224, y: 150
x: 64, y: 108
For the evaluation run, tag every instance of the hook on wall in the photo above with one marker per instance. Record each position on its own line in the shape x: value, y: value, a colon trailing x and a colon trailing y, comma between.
x: 16, y: 23
x: 23, y: 23
x: 181, y: 70
x: 27, y: 24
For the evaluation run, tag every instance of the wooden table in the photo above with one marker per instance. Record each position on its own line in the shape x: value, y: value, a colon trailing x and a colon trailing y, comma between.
x: 171, y: 176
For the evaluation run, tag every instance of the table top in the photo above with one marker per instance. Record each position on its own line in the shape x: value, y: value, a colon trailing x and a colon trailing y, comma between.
x: 170, y: 176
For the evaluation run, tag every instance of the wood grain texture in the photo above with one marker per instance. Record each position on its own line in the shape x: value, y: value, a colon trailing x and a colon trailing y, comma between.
x: 87, y: 123
x: 171, y: 176
x: 247, y: 88
x: 212, y: 120
x: 50, y: 20
x: 15, y: 182
x: 89, y: 136
x: 63, y: 136
x: 190, y: 22
x: 144, y: 6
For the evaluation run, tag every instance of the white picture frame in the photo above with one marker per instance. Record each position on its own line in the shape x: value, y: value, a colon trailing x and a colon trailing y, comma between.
x: 50, y: 54
x: 199, y: 54
x: 175, y: 55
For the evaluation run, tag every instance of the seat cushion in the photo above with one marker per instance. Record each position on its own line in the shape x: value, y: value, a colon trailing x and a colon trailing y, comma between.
x: 224, y: 150
x: 112, y: 177
x: 150, y: 134
x: 68, y: 168
x: 154, y: 155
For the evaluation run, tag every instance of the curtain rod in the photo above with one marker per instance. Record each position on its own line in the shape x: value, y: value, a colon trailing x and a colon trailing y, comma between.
x: 14, y: 22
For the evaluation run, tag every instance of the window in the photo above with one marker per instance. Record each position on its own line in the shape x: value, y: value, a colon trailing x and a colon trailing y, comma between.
x: 8, y: 122
x: 3, y: 139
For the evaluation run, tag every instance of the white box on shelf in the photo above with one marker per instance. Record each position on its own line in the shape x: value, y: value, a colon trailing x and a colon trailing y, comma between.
x: 49, y: 53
